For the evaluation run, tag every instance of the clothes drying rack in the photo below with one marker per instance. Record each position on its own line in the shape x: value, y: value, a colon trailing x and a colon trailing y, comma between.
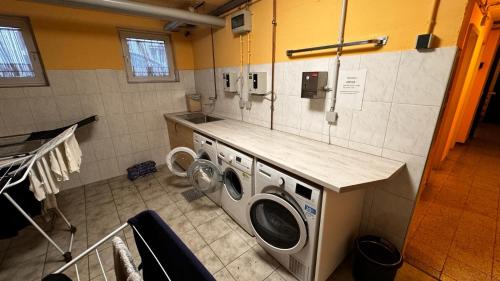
x: 15, y: 165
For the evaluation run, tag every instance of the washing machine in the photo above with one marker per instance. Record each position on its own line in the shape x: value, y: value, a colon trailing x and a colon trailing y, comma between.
x: 204, y: 158
x: 284, y: 215
x: 237, y: 189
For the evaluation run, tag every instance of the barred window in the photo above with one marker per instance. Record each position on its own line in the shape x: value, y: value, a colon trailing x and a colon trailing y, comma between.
x: 148, y: 56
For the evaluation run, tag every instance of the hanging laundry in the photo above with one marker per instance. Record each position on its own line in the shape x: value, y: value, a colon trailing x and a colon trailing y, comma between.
x: 73, y: 154
x: 36, y: 186
x: 125, y: 268
x: 57, y: 165
x: 48, y: 173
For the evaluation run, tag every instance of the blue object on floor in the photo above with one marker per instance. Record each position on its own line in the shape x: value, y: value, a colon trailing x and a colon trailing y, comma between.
x: 175, y: 257
x: 141, y: 170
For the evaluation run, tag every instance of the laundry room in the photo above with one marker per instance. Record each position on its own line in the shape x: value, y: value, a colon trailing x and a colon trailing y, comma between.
x: 235, y: 139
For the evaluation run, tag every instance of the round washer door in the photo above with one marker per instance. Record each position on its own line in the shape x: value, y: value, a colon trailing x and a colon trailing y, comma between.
x: 179, y: 159
x: 205, y: 176
x: 276, y: 223
x: 232, y: 184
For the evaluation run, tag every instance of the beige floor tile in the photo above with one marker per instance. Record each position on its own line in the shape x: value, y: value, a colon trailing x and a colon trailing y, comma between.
x: 223, y: 275
x: 131, y: 211
x: 106, y: 257
x: 201, y: 215
x: 193, y: 240
x: 208, y: 258
x: 29, y: 269
x: 159, y: 201
x: 153, y: 192
x: 169, y: 212
x: 229, y: 247
x: 180, y: 224
x: 254, y: 264
x: 249, y: 239
x: 213, y: 229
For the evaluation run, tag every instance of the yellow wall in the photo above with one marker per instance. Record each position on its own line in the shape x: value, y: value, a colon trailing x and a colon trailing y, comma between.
x: 315, y: 22
x: 85, y: 39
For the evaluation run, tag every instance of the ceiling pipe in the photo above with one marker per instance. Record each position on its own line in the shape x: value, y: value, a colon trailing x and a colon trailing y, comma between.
x: 135, y: 8
x: 228, y: 6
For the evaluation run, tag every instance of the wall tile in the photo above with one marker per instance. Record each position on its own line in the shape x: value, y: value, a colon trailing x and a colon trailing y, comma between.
x: 132, y: 102
x: 107, y: 79
x: 155, y: 139
x: 122, y: 145
x: 16, y: 112
x: 343, y: 127
x: 149, y: 101
x: 92, y: 105
x: 135, y: 123
x: 69, y: 107
x: 139, y: 142
x: 103, y: 148
x: 90, y: 173
x: 108, y: 168
x: 117, y: 124
x: 86, y: 82
x: 366, y: 148
x: 411, y: 128
x: 407, y: 181
x: 423, y: 76
x: 37, y: 92
x: 113, y: 103
x: 12, y: 93
x: 62, y: 82
x: 382, y: 70
x: 369, y: 125
x: 124, y: 162
x: 44, y: 109
x: 142, y: 156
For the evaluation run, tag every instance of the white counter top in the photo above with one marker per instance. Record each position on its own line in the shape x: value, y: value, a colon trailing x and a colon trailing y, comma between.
x: 333, y: 167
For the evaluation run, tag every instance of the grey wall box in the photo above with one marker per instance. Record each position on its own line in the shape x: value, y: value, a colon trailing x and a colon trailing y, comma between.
x: 314, y: 84
x: 241, y: 22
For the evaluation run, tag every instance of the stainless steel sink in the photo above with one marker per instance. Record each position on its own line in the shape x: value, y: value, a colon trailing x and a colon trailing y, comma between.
x: 198, y: 118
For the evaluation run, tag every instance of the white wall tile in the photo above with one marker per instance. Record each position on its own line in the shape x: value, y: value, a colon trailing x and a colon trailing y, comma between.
x: 113, y: 103
x: 107, y: 79
x: 124, y: 162
x: 382, y: 70
x: 139, y: 142
x: 117, y: 124
x: 62, y: 82
x: 132, y: 102
x: 108, y: 168
x: 16, y: 112
x: 37, y: 92
x: 103, y: 148
x: 44, y: 109
x: 122, y: 145
x: 407, y: 181
x: 12, y: 93
x: 369, y: 125
x: 86, y: 82
x: 423, y: 76
x: 366, y: 148
x: 135, y: 123
x: 411, y: 128
x: 69, y: 107
x: 92, y: 105
x: 149, y: 101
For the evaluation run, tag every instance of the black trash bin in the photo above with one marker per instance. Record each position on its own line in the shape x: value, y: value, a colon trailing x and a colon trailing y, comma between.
x: 375, y: 259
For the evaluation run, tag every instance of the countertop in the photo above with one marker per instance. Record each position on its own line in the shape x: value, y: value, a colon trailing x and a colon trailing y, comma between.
x: 333, y: 167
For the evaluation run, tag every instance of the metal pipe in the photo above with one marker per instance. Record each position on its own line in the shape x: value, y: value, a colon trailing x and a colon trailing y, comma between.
x: 228, y: 6
x: 93, y: 247
x: 339, y: 53
x: 135, y: 8
x: 378, y: 42
x: 273, y: 62
x: 213, y: 65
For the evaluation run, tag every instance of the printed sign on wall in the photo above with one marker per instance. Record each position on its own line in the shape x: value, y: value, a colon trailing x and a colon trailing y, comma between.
x: 351, y: 88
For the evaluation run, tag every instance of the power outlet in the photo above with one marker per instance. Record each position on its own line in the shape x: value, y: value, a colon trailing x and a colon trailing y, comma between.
x: 332, y: 117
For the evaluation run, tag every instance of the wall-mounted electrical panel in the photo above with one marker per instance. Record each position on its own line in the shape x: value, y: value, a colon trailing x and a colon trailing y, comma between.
x: 314, y: 85
x: 257, y: 83
x: 241, y: 22
x: 229, y: 81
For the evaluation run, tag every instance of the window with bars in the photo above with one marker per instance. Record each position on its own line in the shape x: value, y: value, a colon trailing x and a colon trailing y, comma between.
x: 148, y: 56
x: 19, y: 58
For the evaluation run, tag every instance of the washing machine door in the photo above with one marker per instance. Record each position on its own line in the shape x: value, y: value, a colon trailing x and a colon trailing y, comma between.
x: 232, y: 184
x: 205, y: 175
x: 180, y: 159
x: 277, y: 223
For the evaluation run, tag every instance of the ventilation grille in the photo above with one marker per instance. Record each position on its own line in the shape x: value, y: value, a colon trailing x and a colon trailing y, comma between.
x: 297, y: 268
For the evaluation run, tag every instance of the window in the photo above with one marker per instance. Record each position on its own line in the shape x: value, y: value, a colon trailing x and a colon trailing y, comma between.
x: 148, y: 56
x: 19, y: 58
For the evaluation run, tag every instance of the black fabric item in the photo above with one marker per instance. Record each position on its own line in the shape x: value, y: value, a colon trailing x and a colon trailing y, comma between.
x: 11, y: 220
x: 175, y: 257
x: 56, y: 277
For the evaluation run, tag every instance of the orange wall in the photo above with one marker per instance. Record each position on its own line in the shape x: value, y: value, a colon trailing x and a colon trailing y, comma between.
x: 71, y: 38
x: 311, y: 23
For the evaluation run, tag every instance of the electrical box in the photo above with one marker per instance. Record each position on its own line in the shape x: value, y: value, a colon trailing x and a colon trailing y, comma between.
x: 241, y: 22
x: 314, y: 85
x: 257, y: 83
x: 424, y: 41
x: 229, y: 81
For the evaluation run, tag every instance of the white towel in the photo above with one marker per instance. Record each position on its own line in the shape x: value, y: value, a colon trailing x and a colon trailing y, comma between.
x: 50, y: 179
x: 36, y: 186
x: 125, y: 269
x: 57, y: 165
x: 43, y: 177
x: 73, y: 154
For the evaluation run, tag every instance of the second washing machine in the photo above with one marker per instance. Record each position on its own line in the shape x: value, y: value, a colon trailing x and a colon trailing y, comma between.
x: 237, y: 189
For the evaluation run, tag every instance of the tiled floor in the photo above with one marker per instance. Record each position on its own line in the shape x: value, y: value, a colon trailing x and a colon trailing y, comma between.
x: 221, y: 245
x: 455, y: 233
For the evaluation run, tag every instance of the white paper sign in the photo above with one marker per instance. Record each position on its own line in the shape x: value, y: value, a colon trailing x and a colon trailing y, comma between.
x: 351, y: 88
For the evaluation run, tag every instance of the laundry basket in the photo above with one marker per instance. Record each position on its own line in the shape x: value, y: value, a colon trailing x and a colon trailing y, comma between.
x: 375, y: 259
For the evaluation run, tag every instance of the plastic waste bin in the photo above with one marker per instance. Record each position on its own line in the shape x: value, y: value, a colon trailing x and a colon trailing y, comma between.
x: 375, y: 259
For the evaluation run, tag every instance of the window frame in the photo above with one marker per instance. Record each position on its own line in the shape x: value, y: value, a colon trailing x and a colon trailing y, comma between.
x: 148, y: 35
x: 40, y: 79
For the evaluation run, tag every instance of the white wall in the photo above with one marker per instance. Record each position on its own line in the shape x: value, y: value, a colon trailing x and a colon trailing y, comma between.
x: 131, y: 127
x: 403, y: 96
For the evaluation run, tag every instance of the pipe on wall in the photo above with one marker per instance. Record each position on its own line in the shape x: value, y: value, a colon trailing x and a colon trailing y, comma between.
x: 273, y: 62
x: 141, y: 9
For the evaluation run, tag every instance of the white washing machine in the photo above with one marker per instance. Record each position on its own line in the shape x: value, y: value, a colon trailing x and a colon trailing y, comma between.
x: 204, y: 158
x: 284, y: 215
x: 236, y: 170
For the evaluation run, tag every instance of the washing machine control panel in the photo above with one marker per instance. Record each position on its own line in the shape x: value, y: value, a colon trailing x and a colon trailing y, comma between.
x: 235, y: 158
